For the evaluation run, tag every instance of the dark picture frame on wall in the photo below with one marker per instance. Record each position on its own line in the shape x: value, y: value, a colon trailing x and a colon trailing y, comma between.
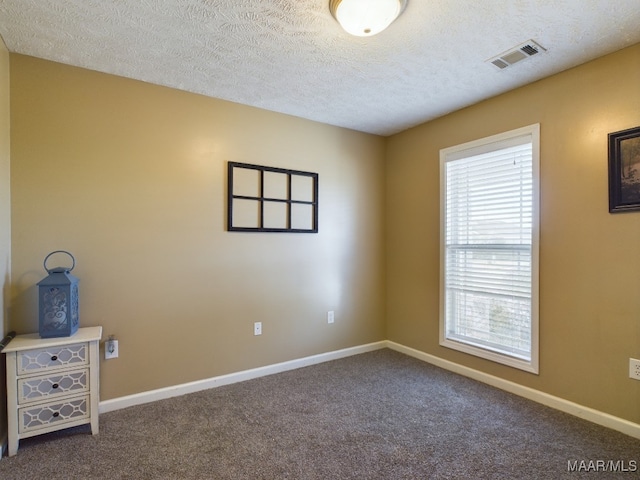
x: 269, y: 199
x: 624, y: 170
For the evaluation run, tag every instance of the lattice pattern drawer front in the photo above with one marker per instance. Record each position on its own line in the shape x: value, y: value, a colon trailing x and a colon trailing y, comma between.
x: 32, y: 361
x: 51, y: 386
x: 41, y: 416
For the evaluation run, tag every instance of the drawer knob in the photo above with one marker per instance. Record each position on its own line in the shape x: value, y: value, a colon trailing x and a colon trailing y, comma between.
x: 56, y: 414
x: 54, y: 358
x: 54, y: 386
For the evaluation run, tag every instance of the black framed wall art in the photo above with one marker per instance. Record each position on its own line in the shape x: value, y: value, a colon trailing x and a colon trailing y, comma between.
x: 624, y: 170
x: 269, y: 199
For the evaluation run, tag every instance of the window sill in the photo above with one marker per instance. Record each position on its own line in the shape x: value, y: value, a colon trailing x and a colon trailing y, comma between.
x: 530, y: 366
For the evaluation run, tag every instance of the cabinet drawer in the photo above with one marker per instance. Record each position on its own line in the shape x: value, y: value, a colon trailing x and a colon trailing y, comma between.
x: 51, y: 386
x: 52, y: 358
x: 45, y: 415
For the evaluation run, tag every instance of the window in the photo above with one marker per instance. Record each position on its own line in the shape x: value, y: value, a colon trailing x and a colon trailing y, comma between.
x: 489, y: 247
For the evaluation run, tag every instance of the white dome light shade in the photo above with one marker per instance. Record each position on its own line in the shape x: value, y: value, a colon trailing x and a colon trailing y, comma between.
x: 364, y: 18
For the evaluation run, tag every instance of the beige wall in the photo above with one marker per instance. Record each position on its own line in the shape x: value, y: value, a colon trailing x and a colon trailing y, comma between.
x: 131, y: 178
x: 5, y: 219
x: 589, y: 259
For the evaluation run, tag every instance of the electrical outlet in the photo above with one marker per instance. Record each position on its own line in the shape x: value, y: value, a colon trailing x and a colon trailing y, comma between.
x: 634, y: 369
x: 257, y: 328
x: 110, y: 349
x: 330, y: 317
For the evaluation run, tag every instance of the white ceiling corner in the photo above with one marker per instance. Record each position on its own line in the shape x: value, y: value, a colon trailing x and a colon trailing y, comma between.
x: 291, y: 56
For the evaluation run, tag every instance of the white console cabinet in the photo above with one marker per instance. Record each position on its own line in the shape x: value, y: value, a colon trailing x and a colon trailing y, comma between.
x: 52, y: 383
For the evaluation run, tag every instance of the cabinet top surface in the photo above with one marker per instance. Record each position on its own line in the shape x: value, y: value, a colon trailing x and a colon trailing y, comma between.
x: 33, y: 340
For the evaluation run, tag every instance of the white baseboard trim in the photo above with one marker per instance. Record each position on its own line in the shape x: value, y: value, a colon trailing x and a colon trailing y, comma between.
x: 586, y: 413
x: 192, y: 387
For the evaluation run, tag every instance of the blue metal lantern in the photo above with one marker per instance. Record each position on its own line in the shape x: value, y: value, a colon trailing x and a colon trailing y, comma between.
x: 58, y: 299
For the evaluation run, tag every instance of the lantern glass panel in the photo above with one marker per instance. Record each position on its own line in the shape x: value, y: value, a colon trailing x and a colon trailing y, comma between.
x: 59, y: 315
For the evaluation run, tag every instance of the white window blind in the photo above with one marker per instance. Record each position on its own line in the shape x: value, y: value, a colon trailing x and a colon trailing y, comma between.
x: 489, y: 262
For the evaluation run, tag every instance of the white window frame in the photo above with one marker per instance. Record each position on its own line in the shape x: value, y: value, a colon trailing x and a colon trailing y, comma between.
x: 469, y: 149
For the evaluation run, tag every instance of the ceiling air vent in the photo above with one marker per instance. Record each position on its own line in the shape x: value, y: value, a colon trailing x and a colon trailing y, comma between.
x: 525, y: 50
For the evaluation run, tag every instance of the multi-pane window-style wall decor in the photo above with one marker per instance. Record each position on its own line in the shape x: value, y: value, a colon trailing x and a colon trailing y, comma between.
x: 267, y: 199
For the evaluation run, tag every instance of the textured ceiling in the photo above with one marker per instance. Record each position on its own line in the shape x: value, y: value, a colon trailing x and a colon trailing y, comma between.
x: 291, y: 56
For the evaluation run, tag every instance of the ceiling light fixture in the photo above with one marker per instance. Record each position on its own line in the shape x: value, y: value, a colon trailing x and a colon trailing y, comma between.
x: 364, y: 18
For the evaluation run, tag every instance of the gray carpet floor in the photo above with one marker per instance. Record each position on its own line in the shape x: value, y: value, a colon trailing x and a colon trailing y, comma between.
x: 379, y: 415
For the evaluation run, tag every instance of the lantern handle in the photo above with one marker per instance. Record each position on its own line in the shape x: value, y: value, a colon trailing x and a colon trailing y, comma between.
x: 59, y: 251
